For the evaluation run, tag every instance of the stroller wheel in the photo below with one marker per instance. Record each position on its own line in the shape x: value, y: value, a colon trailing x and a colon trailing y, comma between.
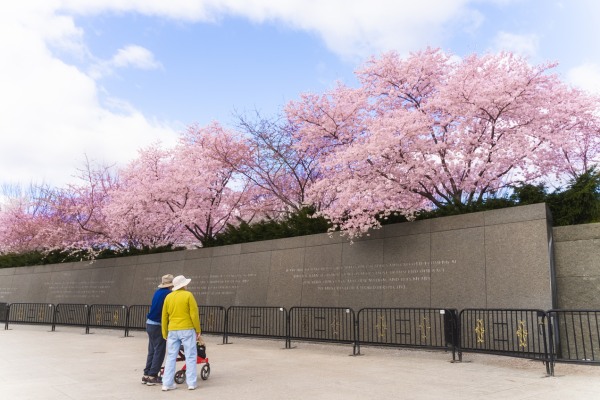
x: 180, y: 377
x: 205, y: 372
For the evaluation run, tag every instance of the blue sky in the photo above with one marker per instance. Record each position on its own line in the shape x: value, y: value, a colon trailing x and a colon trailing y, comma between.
x: 107, y: 77
x: 211, y: 69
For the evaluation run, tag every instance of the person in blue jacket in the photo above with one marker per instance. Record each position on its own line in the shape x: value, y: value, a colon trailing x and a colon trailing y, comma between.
x: 156, y: 344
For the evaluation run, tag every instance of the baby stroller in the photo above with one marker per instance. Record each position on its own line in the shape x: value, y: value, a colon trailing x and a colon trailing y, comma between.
x: 201, y: 359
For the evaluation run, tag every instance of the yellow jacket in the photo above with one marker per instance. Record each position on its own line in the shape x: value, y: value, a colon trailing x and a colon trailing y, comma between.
x: 180, y: 312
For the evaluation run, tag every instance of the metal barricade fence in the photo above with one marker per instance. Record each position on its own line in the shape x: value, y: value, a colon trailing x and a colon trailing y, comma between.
x: 107, y: 316
x: 431, y: 328
x: 67, y: 314
x: 576, y: 335
x: 322, y: 324
x: 556, y: 335
x: 212, y: 319
x: 137, y: 315
x: 270, y: 322
x: 30, y: 314
x: 518, y: 333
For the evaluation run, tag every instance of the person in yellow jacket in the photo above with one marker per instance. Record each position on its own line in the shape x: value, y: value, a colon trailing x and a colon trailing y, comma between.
x: 180, y: 325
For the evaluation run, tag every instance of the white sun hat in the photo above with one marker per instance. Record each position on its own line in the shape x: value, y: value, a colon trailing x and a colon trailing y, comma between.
x: 179, y: 282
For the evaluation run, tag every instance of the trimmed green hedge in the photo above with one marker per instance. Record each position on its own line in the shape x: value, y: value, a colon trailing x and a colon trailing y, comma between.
x: 58, y: 256
x: 300, y: 223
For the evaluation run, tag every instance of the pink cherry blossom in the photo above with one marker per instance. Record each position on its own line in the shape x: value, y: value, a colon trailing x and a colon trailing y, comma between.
x: 425, y: 131
x: 186, y: 190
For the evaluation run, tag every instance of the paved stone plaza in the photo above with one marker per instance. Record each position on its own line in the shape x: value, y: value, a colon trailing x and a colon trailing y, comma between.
x: 37, y: 364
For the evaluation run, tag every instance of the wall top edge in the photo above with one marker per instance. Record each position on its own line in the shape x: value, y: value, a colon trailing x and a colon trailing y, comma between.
x: 576, y: 232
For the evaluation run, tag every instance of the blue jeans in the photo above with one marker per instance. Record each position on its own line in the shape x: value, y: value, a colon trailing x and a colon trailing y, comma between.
x: 175, y: 339
x: 156, y: 350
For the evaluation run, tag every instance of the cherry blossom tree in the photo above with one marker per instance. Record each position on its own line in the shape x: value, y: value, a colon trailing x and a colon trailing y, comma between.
x: 425, y: 131
x: 416, y: 133
x: 581, y: 150
x: 20, y: 211
x: 179, y: 196
x: 78, y: 218
x: 71, y: 219
x: 187, y: 189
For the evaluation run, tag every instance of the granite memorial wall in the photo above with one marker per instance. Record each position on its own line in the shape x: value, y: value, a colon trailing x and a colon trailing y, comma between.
x: 577, y: 253
x: 494, y: 259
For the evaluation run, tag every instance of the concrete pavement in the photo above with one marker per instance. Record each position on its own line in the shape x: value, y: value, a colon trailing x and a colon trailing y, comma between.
x: 66, y: 364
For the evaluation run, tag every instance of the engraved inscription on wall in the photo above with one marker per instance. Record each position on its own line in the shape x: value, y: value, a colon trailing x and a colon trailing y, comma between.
x: 224, y: 284
x: 78, y: 289
x: 5, y: 291
x: 392, y: 276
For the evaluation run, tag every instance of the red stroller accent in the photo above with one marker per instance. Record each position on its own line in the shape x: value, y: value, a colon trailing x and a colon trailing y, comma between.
x: 180, y: 375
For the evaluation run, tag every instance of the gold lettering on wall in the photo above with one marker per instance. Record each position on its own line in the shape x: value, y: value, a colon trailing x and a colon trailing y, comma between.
x: 116, y: 317
x: 99, y: 317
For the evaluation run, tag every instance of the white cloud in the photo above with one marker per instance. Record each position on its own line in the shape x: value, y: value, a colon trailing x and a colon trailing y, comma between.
x: 520, y: 44
x: 350, y: 28
x: 129, y: 56
x: 586, y: 76
x: 50, y: 112
x: 135, y: 56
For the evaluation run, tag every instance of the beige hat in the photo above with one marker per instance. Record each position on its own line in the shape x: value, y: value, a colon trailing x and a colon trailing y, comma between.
x: 167, y: 281
x: 179, y: 282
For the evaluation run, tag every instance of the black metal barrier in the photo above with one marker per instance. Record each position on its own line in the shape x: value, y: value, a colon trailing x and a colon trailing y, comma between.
x: 136, y: 318
x: 30, y: 314
x: 212, y: 319
x: 431, y: 328
x: 268, y: 322
x: 514, y: 333
x: 322, y: 324
x: 554, y: 336
x: 107, y: 316
x: 576, y: 336
x: 70, y: 315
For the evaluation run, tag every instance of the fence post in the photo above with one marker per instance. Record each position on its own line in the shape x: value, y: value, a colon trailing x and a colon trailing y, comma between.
x: 453, y: 331
x: 54, y: 318
x: 550, y: 344
x: 224, y: 310
x: 87, y: 322
x: 127, y: 322
x: 554, y: 329
x: 356, y: 349
x: 459, y: 331
x: 288, y: 341
x: 6, y: 317
x: 225, y: 340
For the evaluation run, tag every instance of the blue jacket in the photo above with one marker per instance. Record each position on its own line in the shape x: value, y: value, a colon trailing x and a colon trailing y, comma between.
x: 157, y: 304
